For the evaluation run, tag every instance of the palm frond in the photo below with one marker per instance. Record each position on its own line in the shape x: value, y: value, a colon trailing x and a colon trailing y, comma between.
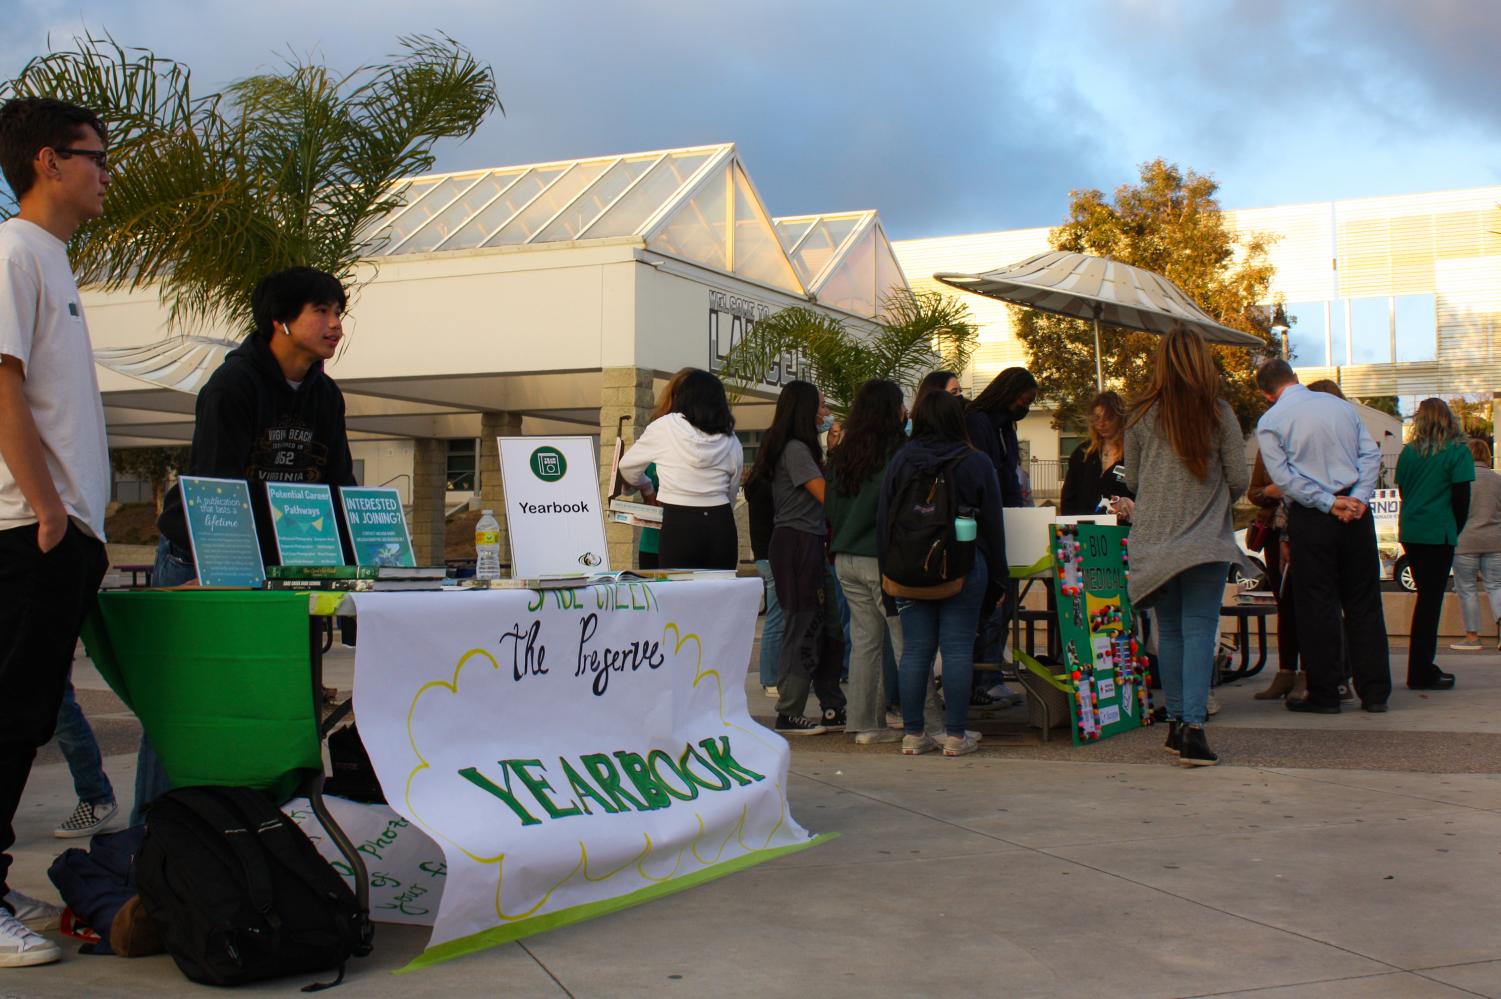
x: 210, y: 194
x: 919, y: 332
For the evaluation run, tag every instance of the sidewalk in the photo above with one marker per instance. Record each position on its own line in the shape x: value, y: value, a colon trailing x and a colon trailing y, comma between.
x: 1339, y: 856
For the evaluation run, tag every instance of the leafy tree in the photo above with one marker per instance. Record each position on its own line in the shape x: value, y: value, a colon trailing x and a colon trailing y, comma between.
x: 1474, y: 416
x: 154, y: 464
x: 1384, y: 403
x: 918, y: 332
x: 211, y: 193
x: 1170, y: 223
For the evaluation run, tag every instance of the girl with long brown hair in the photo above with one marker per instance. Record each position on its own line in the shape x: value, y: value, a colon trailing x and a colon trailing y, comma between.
x: 1185, y: 460
x: 1095, y: 469
x: 1434, y: 473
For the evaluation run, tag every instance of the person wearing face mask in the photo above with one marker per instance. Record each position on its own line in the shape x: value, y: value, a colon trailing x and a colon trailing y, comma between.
x: 991, y: 420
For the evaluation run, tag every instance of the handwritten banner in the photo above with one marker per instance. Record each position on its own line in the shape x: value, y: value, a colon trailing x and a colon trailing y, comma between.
x: 573, y: 752
x: 404, y: 867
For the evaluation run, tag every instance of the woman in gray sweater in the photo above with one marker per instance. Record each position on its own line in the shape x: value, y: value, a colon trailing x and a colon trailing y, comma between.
x: 1185, y: 460
x: 1478, y: 553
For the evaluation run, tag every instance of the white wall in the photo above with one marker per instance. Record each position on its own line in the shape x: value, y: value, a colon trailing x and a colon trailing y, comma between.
x: 384, y: 461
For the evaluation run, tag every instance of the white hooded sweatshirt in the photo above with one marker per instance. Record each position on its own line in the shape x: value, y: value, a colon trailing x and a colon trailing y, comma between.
x: 694, y: 468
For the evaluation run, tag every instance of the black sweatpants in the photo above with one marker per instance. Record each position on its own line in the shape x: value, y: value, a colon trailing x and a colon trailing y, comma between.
x: 698, y: 537
x: 812, y: 642
x: 1430, y: 571
x: 43, y: 601
x: 1335, y: 567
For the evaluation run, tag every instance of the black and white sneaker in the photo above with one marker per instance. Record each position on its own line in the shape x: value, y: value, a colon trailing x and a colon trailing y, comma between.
x: 798, y: 725
x: 833, y: 719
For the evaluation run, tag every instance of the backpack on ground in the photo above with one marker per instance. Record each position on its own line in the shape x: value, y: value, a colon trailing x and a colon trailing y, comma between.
x: 925, y: 560
x: 240, y: 894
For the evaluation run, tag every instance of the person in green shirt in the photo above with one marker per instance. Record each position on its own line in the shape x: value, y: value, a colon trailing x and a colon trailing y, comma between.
x: 872, y: 434
x: 1434, y: 473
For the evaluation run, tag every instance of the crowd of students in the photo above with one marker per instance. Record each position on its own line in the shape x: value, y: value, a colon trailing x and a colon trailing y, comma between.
x: 831, y: 515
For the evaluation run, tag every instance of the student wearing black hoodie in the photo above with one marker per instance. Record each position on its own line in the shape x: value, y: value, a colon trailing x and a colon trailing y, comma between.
x: 949, y: 624
x: 268, y: 414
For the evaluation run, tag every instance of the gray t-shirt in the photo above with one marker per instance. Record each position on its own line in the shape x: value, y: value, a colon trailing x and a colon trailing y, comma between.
x: 795, y: 507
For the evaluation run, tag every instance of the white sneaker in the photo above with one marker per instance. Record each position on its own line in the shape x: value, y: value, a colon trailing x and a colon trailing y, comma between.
x: 771, y: 692
x: 940, y: 736
x: 955, y: 745
x: 1212, y: 706
x: 33, y: 912
x: 871, y: 737
x: 894, y: 719
x: 21, y: 947
x: 916, y: 745
x: 87, y: 819
x: 1005, y: 697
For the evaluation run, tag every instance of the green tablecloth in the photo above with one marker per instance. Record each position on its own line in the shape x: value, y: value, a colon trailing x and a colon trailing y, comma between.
x: 220, y: 680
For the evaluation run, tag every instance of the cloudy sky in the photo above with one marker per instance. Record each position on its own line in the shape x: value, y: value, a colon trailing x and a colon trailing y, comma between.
x: 947, y: 117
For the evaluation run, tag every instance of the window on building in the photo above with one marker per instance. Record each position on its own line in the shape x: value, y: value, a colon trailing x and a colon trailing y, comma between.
x: 1307, y: 335
x: 462, y: 462
x: 1371, y: 330
x: 1417, y: 327
x: 1338, y: 332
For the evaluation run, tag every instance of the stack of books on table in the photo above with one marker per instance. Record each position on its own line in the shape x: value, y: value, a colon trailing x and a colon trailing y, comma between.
x: 361, y: 578
x: 635, y: 514
x: 1257, y: 598
x: 565, y: 581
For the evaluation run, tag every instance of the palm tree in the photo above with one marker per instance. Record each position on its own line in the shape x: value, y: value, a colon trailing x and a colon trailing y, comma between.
x: 918, y: 332
x: 211, y: 193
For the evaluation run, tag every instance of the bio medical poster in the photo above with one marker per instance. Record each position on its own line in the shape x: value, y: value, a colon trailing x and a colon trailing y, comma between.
x: 553, y: 510
x: 1105, y: 666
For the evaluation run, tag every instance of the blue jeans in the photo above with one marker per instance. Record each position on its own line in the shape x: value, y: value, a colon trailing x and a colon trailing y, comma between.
x: 930, y: 626
x: 76, y: 739
x: 1467, y: 568
x: 771, y: 628
x: 1187, y: 611
x: 151, y: 777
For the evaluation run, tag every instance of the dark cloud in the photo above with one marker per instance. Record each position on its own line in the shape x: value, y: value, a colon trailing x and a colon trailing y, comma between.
x: 945, y: 116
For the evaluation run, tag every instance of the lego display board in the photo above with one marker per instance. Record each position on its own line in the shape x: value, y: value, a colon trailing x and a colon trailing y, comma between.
x: 1105, y: 668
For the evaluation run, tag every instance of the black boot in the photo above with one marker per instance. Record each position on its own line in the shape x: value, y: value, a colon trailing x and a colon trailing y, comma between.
x: 1174, y: 742
x: 1195, y: 751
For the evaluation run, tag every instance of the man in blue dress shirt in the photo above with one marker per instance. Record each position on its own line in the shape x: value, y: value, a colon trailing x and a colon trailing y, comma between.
x: 1325, y: 462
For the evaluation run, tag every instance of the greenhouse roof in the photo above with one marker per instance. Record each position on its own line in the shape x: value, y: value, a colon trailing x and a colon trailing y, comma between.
x: 843, y: 259
x: 696, y: 204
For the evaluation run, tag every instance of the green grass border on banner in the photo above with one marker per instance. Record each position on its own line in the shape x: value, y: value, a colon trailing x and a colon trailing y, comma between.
x: 495, y: 936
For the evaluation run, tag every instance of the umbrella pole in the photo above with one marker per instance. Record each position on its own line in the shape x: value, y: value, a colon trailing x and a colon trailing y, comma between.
x: 1099, y: 369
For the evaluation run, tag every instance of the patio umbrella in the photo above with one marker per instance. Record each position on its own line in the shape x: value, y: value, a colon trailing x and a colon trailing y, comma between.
x: 1101, y: 289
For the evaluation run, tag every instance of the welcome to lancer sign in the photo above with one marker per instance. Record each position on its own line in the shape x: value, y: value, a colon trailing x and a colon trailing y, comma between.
x: 573, y: 752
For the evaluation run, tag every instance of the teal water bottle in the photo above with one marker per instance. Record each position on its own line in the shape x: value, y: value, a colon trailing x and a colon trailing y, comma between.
x: 964, y: 528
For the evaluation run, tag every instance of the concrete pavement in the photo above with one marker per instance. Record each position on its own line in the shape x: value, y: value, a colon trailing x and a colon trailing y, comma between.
x: 1350, y: 855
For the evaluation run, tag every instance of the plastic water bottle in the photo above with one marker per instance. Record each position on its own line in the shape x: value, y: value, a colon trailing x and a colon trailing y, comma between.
x: 487, y: 547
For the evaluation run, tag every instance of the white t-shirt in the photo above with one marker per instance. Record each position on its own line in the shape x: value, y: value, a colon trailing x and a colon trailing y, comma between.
x: 41, y: 322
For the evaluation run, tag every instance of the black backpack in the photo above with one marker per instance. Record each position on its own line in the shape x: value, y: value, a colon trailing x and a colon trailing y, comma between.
x: 240, y: 894
x: 924, y: 559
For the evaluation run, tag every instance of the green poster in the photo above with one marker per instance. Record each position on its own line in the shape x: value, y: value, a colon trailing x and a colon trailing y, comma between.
x: 377, y: 526
x: 1105, y: 669
x: 221, y: 529
x: 303, y: 518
